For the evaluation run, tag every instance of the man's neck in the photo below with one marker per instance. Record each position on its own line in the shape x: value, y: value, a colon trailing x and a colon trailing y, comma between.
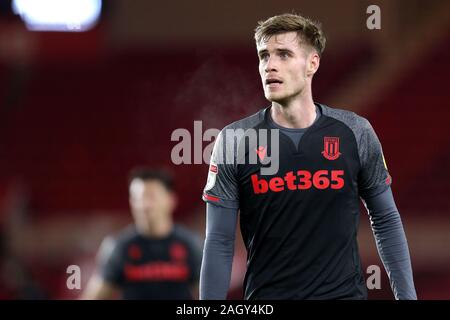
x: 296, y: 114
x: 159, y: 229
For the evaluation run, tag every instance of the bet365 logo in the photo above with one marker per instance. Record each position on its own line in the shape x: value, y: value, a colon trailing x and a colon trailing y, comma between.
x: 302, y: 180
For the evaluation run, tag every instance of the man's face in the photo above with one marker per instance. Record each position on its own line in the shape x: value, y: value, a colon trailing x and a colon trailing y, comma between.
x: 286, y: 67
x: 150, y: 201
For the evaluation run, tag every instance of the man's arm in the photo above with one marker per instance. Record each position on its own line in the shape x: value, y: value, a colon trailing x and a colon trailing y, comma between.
x: 218, y: 252
x: 391, y: 243
x: 104, y: 284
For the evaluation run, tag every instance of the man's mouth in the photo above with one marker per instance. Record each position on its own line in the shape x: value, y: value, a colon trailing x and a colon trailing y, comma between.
x: 273, y: 83
x: 270, y: 81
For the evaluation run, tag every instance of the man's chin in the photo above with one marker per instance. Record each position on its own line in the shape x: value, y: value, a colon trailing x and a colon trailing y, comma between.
x: 277, y: 98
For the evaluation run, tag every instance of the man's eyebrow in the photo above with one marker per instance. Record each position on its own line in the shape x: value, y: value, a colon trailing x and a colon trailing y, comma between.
x: 262, y: 51
x: 277, y: 49
x: 284, y: 50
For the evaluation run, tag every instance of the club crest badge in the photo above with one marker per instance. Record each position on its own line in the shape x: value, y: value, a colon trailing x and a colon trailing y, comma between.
x: 331, y: 148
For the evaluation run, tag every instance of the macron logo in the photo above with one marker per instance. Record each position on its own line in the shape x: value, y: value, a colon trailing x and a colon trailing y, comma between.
x: 261, y: 152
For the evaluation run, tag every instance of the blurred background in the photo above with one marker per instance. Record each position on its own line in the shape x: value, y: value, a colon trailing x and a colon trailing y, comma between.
x: 83, y: 103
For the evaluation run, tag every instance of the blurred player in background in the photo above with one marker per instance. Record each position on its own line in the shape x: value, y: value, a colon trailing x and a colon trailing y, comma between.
x: 300, y: 224
x: 153, y: 258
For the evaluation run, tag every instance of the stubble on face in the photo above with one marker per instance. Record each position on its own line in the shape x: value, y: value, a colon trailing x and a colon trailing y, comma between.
x: 282, y: 67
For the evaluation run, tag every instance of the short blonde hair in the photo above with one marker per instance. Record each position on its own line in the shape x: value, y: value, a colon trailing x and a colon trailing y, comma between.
x: 307, y: 30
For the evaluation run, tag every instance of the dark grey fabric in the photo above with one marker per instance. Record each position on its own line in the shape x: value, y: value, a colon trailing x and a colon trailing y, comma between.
x: 392, y: 244
x: 218, y: 252
x: 374, y: 172
x: 387, y: 228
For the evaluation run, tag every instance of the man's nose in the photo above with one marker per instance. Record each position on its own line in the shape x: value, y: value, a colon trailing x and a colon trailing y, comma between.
x: 270, y: 65
x: 147, y: 203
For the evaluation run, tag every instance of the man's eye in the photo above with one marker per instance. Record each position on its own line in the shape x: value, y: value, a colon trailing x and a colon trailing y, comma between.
x: 284, y: 54
x: 264, y: 56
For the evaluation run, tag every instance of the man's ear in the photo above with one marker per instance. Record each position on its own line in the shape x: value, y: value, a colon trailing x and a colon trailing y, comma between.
x: 312, y: 63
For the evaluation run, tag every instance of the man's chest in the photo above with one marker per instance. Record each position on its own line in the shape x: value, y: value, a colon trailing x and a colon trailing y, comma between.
x: 325, y: 158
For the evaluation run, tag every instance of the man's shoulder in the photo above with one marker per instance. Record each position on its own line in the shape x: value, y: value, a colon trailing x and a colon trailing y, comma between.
x: 355, y: 122
x: 187, y: 236
x: 124, y: 236
x: 235, y: 131
x: 251, y: 121
x: 116, y: 244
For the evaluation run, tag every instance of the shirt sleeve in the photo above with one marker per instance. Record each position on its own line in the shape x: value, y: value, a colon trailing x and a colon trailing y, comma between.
x: 110, y: 262
x: 373, y: 177
x: 218, y: 252
x: 221, y: 187
x: 391, y: 243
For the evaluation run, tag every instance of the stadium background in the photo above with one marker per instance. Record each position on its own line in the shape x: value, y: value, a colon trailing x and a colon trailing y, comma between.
x: 79, y: 110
